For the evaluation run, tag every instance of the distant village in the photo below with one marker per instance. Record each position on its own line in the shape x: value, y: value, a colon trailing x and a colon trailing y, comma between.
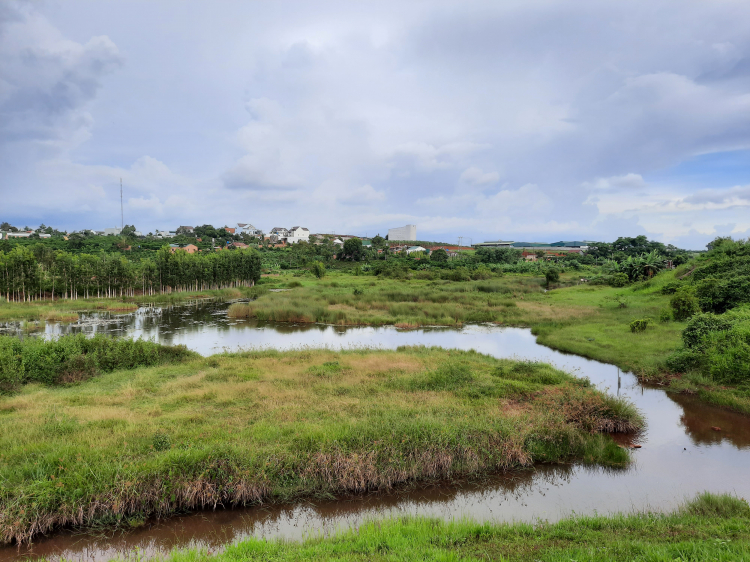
x: 245, y: 235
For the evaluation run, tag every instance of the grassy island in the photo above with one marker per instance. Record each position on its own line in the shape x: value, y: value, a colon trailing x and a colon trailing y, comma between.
x: 707, y: 528
x: 271, y: 426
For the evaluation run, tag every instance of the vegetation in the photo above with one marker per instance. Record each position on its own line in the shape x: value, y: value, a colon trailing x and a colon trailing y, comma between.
x: 33, y: 275
x: 74, y: 358
x: 271, y: 426
x: 710, y: 527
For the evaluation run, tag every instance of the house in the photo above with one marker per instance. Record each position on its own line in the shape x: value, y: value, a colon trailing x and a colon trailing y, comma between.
x: 279, y: 232
x: 190, y: 248
x: 412, y: 249
x: 229, y: 230
x: 112, y: 231
x: 249, y: 229
x: 240, y: 245
x: 298, y: 234
x: 338, y: 242
x: 186, y: 229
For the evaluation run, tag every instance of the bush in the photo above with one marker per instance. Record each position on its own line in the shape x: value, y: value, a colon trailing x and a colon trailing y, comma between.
x: 552, y: 275
x: 684, y: 360
x: 701, y: 326
x: 671, y: 288
x: 318, y: 270
x: 728, y: 355
x: 619, y: 280
x: 161, y: 441
x: 639, y: 325
x: 684, y: 304
x: 74, y: 358
x: 665, y: 315
x: 358, y: 291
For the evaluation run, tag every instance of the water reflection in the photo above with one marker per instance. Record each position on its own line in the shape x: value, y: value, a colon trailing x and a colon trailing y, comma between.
x: 681, y: 455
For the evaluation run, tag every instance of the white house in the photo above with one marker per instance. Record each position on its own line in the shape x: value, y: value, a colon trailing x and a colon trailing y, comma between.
x: 408, y: 232
x: 112, y: 231
x: 20, y: 234
x: 412, y: 249
x: 249, y: 229
x: 298, y: 234
x: 280, y: 232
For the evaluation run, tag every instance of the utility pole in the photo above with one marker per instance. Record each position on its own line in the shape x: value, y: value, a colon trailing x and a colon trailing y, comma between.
x: 122, y: 214
x: 460, y: 238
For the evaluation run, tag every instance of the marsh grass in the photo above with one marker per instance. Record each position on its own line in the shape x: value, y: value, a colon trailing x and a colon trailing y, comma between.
x: 268, y: 426
x: 684, y: 535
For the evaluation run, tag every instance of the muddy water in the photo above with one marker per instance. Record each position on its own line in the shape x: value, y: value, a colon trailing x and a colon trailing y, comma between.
x: 681, y: 454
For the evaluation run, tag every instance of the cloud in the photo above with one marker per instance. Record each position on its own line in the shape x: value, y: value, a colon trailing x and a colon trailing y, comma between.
x: 628, y: 181
x: 475, y: 119
x: 475, y: 176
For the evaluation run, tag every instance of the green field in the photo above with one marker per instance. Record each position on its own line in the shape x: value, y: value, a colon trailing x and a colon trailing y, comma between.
x: 271, y: 426
x: 706, y: 528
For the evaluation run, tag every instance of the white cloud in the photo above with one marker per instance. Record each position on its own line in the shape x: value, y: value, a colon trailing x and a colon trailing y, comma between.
x: 475, y: 176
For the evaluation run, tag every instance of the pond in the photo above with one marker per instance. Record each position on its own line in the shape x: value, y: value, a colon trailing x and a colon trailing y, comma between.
x: 681, y: 454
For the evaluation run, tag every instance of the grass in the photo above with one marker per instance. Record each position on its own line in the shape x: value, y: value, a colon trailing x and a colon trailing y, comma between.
x: 62, y: 310
x: 270, y: 426
x: 709, y: 527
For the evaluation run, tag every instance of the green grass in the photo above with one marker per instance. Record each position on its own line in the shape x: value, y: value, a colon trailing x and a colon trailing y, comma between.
x: 707, y: 528
x: 271, y: 426
x: 62, y: 310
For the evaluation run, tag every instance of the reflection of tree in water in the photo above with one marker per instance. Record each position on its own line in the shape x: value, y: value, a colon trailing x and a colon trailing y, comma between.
x: 699, y: 418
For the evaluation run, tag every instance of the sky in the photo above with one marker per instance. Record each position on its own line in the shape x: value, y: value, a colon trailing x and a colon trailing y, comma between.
x: 515, y: 120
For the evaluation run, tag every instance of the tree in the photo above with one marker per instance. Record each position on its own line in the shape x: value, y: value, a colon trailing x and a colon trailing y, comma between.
x: 4, y: 225
x: 318, y: 269
x: 128, y: 230
x: 439, y: 255
x: 552, y: 275
x: 353, y: 249
x: 540, y: 254
x: 377, y: 241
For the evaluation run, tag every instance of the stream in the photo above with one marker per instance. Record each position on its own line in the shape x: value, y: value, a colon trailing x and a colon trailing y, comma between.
x: 681, y: 453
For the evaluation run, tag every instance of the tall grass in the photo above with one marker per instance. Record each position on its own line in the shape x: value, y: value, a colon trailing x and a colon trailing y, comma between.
x: 271, y: 426
x: 73, y: 358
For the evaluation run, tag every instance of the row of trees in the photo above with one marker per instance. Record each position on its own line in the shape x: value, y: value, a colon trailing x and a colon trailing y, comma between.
x: 43, y: 273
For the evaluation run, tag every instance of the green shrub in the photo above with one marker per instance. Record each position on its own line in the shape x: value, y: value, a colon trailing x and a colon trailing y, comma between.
x: 161, y: 441
x: 684, y: 304
x: 684, y: 360
x: 74, y: 358
x: 728, y: 355
x: 293, y: 284
x: 619, y: 280
x: 358, y: 291
x: 671, y: 288
x: 318, y: 269
x: 701, y: 326
x: 639, y: 325
x: 552, y: 275
x: 665, y: 315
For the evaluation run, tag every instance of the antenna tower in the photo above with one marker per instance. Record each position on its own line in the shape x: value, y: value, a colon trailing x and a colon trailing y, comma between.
x: 122, y: 214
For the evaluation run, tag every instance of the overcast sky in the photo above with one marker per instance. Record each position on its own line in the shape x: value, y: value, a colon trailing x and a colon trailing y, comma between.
x: 528, y: 120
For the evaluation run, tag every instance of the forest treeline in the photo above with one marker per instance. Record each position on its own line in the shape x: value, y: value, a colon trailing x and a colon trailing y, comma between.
x: 39, y: 272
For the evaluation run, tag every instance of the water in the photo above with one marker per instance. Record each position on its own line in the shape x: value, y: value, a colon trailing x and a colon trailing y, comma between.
x: 681, y: 454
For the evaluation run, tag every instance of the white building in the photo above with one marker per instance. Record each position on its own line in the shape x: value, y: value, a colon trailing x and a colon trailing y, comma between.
x: 298, y: 234
x: 20, y: 234
x: 412, y: 249
x: 112, y: 231
x: 408, y: 232
x: 249, y: 229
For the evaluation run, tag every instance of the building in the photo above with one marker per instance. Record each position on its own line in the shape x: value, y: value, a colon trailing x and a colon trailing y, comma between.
x: 298, y: 234
x: 190, y: 248
x: 186, y: 230
x: 112, y: 231
x: 280, y: 232
x: 20, y: 234
x: 249, y: 229
x: 408, y: 232
x: 495, y: 244
x: 240, y: 245
x: 412, y: 249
